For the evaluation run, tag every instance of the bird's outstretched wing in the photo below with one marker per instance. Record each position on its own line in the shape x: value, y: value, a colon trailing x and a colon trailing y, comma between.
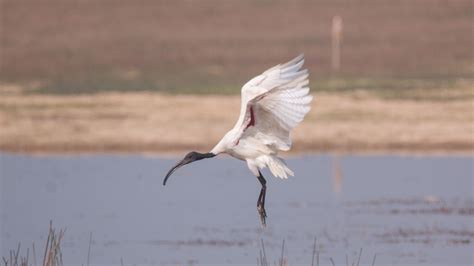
x: 273, y: 103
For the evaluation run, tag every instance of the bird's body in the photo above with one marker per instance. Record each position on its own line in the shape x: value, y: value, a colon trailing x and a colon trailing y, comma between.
x: 273, y: 103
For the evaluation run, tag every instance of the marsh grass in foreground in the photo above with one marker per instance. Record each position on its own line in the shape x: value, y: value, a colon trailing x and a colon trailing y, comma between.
x: 262, y: 259
x: 53, y: 255
x: 52, y: 252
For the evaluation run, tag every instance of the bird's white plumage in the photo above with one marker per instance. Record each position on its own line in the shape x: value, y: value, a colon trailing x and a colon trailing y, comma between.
x: 273, y: 103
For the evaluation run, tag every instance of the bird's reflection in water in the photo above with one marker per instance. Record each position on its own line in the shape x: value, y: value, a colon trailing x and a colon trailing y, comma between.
x: 337, y: 177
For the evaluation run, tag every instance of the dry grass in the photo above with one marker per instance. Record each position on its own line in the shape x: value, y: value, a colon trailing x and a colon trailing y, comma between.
x: 358, y: 121
x: 52, y: 252
x: 412, y: 60
x: 263, y: 260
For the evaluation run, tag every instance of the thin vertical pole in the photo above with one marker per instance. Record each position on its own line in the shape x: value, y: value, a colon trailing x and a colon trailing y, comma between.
x: 336, y: 34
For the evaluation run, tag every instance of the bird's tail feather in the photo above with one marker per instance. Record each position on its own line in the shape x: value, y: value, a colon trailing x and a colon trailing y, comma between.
x: 277, y: 166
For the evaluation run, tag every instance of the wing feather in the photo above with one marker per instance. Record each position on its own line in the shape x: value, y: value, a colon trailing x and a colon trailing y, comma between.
x: 280, y: 99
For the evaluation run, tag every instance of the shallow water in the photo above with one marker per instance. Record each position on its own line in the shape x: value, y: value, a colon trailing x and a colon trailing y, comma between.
x: 408, y: 210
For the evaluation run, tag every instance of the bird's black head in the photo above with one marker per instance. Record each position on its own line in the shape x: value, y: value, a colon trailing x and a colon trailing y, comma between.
x: 193, y: 156
x: 189, y: 158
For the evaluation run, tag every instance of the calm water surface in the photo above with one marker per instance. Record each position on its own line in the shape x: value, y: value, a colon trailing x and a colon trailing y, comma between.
x: 408, y: 210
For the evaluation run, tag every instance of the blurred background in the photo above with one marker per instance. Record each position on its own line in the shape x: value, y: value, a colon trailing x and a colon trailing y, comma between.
x: 393, y: 85
x: 208, y: 46
x: 391, y: 51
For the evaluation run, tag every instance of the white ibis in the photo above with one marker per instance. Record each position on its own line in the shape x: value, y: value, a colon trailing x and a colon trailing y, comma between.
x: 273, y: 103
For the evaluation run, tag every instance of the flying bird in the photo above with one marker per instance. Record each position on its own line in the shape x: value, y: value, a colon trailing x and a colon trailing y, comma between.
x: 272, y: 104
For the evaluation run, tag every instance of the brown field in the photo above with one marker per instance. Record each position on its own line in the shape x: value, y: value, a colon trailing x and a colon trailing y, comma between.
x: 149, y: 122
x: 70, y: 46
x: 83, y: 75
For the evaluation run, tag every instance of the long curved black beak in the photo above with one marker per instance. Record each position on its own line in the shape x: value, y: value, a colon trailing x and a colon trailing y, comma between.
x: 171, y: 171
x: 189, y: 158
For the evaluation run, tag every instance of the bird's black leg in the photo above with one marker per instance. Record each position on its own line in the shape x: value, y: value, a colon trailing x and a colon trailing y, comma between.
x: 261, y: 199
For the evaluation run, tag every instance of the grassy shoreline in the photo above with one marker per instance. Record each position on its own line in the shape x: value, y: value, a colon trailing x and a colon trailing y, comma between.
x: 360, y: 121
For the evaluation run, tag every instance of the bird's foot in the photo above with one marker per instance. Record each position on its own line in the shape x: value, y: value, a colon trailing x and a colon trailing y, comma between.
x: 263, y: 215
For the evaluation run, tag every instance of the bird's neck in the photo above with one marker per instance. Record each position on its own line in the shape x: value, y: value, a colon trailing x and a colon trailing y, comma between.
x: 205, y: 155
